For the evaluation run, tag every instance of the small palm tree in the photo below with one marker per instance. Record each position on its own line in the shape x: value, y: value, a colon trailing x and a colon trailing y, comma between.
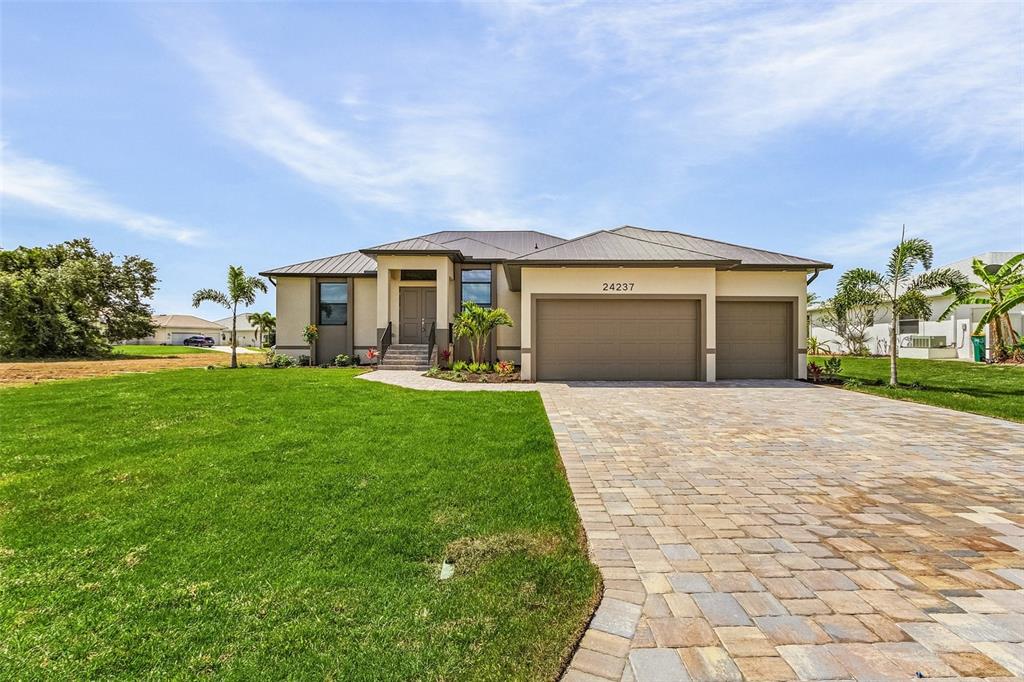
x: 995, y: 290
x: 264, y: 323
x: 896, y: 290
x: 241, y: 289
x: 476, y: 324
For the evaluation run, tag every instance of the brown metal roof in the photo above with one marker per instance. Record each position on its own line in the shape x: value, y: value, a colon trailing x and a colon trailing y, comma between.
x: 605, y: 246
x: 746, y: 255
x: 352, y: 263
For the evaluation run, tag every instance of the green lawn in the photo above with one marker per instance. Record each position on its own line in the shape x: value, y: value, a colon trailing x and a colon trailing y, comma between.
x: 158, y: 351
x: 994, y: 390
x: 270, y: 524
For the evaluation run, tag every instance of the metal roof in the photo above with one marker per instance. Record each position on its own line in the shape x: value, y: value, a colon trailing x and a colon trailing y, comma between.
x: 619, y: 248
x: 352, y: 263
x: 746, y: 255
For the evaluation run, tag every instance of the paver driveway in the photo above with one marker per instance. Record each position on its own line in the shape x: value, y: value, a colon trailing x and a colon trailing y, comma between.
x: 784, y: 531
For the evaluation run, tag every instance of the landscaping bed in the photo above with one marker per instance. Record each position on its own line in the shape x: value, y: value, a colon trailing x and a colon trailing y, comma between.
x: 993, y: 390
x: 290, y: 525
x: 473, y: 372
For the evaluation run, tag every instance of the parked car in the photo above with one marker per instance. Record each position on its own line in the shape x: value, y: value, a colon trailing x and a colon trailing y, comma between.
x: 204, y: 341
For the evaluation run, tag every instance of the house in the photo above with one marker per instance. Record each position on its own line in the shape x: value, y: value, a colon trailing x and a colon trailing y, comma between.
x: 246, y: 331
x: 172, y: 330
x: 930, y: 338
x: 621, y: 304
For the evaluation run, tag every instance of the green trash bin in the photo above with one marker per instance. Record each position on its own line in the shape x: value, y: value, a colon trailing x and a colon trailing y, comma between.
x: 979, y: 348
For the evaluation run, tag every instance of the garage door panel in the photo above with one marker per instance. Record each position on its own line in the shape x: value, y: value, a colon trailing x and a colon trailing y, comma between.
x: 754, y: 340
x: 617, y: 340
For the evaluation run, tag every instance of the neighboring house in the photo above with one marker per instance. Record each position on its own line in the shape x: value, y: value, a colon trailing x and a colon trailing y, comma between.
x: 172, y: 330
x: 930, y: 338
x: 628, y: 303
x: 245, y: 330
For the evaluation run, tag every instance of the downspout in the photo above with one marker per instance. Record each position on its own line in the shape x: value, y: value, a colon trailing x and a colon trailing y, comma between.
x: 817, y: 271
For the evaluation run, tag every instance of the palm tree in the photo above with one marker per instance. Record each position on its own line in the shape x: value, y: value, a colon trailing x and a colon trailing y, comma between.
x: 994, y: 290
x: 264, y: 322
x: 241, y: 289
x: 476, y: 324
x: 895, y: 290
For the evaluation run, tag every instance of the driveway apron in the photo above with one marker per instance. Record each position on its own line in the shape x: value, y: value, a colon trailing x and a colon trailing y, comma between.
x: 776, y: 531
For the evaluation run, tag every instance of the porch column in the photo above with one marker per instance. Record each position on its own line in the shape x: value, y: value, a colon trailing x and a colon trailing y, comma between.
x: 444, y: 313
x: 383, y: 299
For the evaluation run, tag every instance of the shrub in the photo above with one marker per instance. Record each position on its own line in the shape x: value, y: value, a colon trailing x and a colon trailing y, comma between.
x: 342, y: 360
x: 460, y: 366
x: 814, y: 372
x: 278, y: 360
x: 505, y: 368
x: 832, y: 367
x: 446, y: 356
x: 371, y: 355
x: 434, y: 372
x: 303, y: 361
x: 479, y: 368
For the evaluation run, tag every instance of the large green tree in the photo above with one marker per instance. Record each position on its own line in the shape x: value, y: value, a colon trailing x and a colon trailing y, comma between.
x: 70, y: 300
x: 995, y: 288
x: 898, y: 290
x: 242, y: 288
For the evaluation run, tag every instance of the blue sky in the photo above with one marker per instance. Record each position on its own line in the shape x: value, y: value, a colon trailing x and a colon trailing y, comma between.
x: 266, y: 134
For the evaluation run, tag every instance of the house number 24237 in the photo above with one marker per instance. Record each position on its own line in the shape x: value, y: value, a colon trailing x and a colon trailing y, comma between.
x: 617, y: 286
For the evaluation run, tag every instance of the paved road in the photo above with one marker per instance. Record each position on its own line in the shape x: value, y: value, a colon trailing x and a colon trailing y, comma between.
x: 782, y: 531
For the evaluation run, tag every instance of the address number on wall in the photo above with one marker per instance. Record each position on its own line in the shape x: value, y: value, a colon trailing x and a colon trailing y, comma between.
x: 617, y: 286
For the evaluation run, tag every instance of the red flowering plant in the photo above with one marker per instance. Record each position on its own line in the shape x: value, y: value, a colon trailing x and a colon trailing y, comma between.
x: 371, y: 354
x: 446, y: 355
x: 504, y: 368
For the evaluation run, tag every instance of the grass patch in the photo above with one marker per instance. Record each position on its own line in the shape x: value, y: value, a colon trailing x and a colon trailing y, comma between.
x: 157, y: 351
x: 993, y: 390
x: 260, y: 524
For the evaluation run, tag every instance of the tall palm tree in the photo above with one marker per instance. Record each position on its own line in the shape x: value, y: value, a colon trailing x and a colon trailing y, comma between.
x: 264, y: 322
x: 241, y: 289
x: 996, y: 288
x: 896, y: 290
x: 476, y: 324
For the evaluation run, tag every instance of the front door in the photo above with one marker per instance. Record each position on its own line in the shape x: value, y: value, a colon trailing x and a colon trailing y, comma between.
x: 417, y: 310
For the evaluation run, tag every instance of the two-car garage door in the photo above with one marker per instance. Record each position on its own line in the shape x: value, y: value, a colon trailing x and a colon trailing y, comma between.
x: 618, y: 340
x: 660, y: 339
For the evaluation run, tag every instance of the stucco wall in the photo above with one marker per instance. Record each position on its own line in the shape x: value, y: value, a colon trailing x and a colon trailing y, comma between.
x: 508, y: 338
x: 293, y: 308
x: 388, y: 280
x: 364, y: 315
x: 692, y: 281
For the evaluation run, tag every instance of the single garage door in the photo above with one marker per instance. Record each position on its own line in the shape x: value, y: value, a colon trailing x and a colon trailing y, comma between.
x: 754, y: 340
x: 618, y: 340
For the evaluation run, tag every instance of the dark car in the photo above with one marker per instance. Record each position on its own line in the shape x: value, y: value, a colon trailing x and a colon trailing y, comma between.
x: 205, y: 341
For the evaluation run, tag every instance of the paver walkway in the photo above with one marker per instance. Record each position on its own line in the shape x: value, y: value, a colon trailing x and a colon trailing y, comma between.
x: 780, y: 531
x: 774, y: 532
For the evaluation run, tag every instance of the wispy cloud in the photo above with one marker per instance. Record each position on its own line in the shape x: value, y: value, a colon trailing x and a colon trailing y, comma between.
x: 443, y: 161
x: 59, y: 190
x: 720, y: 75
x: 958, y: 219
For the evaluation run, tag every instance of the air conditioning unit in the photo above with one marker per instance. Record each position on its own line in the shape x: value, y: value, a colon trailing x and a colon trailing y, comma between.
x: 920, y: 341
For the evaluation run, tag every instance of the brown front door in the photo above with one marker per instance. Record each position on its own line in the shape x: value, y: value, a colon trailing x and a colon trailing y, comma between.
x: 417, y: 310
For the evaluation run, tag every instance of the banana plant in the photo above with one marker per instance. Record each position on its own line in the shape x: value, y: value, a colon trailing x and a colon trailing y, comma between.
x: 1000, y: 289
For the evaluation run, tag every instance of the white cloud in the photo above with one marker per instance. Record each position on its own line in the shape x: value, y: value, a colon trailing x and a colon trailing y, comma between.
x: 946, y: 75
x: 444, y: 162
x: 57, y: 189
x: 959, y: 219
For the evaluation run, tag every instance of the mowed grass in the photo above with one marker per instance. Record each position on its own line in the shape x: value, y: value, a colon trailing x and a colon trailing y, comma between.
x: 157, y: 351
x: 270, y: 524
x: 993, y: 390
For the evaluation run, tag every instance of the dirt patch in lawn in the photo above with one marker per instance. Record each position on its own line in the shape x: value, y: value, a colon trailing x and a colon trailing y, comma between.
x: 23, y: 373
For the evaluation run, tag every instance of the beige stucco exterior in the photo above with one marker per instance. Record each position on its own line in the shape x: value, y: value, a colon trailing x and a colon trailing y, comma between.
x: 375, y: 301
x: 293, y: 313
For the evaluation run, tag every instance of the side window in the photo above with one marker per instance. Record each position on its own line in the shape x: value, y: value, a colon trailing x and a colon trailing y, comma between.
x: 909, y: 326
x: 476, y: 287
x: 333, y: 303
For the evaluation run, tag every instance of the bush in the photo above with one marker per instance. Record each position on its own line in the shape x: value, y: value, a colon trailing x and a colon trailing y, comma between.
x: 342, y: 360
x: 303, y: 361
x: 460, y: 366
x: 505, y: 368
x: 832, y: 367
x: 278, y: 360
x: 434, y: 372
x: 479, y: 368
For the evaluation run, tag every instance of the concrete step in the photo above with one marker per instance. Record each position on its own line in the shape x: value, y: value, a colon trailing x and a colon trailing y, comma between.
x: 408, y: 346
x: 408, y: 367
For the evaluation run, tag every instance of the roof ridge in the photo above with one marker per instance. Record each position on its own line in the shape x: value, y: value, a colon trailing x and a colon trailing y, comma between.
x: 567, y: 241
x: 671, y: 246
x: 480, y: 241
x: 716, y: 241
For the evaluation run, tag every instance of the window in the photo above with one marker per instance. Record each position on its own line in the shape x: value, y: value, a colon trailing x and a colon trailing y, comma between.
x: 333, y: 303
x: 419, y: 275
x: 909, y: 326
x: 476, y: 287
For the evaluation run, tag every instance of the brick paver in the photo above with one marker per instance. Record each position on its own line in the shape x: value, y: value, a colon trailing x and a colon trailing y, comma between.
x: 768, y: 531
